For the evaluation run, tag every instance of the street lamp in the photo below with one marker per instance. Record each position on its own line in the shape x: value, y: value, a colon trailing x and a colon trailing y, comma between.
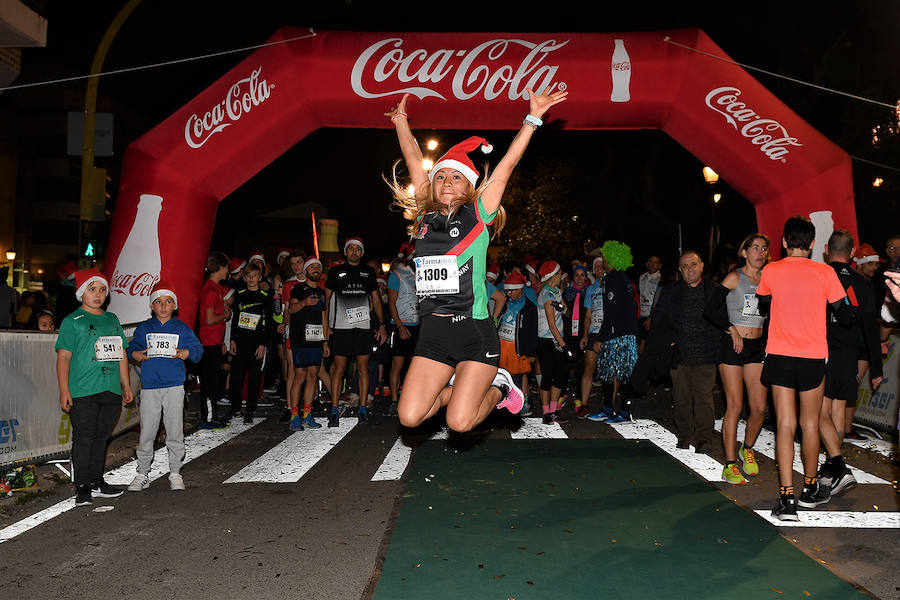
x: 878, y: 181
x: 427, y: 164
x: 717, y: 197
x: 432, y: 144
x: 10, y: 255
x: 710, y: 176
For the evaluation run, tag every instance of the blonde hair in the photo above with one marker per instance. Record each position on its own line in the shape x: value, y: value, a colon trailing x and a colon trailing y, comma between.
x: 415, y: 206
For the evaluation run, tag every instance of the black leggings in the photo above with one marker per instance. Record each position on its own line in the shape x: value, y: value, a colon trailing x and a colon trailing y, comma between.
x: 211, y: 381
x: 554, y: 366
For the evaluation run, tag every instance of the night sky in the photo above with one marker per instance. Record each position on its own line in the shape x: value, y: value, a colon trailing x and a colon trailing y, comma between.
x: 853, y: 47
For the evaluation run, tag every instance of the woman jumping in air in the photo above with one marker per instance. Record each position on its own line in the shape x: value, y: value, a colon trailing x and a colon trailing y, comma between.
x: 456, y: 357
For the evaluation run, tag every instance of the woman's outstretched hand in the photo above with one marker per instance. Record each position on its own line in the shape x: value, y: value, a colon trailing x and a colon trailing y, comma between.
x: 400, y: 108
x: 538, y: 105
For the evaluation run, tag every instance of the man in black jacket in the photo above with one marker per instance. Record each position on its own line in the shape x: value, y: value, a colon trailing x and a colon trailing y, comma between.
x: 679, y: 316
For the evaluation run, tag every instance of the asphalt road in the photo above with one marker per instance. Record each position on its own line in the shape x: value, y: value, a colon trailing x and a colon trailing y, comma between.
x: 325, y: 535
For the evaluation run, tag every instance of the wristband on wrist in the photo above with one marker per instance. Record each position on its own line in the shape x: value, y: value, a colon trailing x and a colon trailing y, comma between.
x: 399, y: 114
x: 532, y: 122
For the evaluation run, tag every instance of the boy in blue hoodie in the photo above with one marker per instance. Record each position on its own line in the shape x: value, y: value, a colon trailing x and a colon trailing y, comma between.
x: 161, y: 344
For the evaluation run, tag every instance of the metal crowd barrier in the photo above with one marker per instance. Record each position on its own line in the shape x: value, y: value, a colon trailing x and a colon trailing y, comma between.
x: 33, y: 428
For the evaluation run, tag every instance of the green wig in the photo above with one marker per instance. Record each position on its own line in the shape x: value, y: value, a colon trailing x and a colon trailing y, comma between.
x: 617, y: 255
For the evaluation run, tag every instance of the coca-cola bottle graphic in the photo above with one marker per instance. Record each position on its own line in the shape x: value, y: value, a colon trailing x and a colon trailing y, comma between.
x: 138, y: 266
x: 621, y: 73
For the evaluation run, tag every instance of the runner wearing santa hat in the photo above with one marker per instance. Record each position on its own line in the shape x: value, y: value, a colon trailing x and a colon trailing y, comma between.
x: 867, y: 262
x: 449, y: 217
x: 517, y: 330
x: 236, y: 273
x: 551, y: 347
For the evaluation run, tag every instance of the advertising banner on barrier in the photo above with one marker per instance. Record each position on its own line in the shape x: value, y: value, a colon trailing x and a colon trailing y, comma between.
x: 32, y: 425
x: 878, y: 409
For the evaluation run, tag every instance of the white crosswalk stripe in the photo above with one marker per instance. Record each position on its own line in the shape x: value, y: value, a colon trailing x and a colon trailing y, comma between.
x: 291, y: 459
x: 765, y: 445
x: 196, y: 444
x: 646, y: 429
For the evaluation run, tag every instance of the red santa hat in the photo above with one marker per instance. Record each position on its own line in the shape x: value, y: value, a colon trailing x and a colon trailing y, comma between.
x: 456, y: 158
x: 236, y: 264
x: 163, y: 288
x: 514, y: 281
x: 84, y: 278
x: 381, y: 279
x: 866, y: 253
x: 354, y: 240
x: 229, y: 292
x: 282, y: 253
x: 532, y: 267
x: 407, y: 249
x: 257, y: 256
x: 493, y: 271
x: 548, y: 270
x: 312, y: 260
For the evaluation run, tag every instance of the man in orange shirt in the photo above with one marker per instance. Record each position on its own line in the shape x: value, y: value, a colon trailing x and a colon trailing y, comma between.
x: 797, y: 291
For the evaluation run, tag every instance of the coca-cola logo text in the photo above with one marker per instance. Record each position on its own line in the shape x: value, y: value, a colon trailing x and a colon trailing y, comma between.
x: 494, y: 74
x: 238, y: 101
x: 625, y: 65
x: 770, y: 135
x: 133, y: 285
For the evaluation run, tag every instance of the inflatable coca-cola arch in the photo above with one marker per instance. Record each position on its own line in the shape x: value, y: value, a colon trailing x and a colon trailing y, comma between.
x: 175, y: 175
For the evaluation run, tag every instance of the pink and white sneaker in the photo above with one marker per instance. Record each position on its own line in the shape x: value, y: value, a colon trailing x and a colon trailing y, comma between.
x: 514, y: 399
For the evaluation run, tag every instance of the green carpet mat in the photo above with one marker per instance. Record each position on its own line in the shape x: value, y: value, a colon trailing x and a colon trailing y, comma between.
x: 598, y: 519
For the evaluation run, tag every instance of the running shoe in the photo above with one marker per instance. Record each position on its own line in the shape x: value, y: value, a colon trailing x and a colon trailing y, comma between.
x: 825, y: 476
x: 512, y: 400
x: 732, y: 474
x: 527, y: 409
x: 547, y: 419
x: 285, y: 417
x: 392, y: 409
x: 853, y: 434
x: 139, y: 483
x: 101, y: 489
x: 582, y: 412
x: 176, y: 482
x: 558, y: 418
x: 310, y: 423
x: 248, y: 419
x: 618, y: 417
x: 845, y: 481
x: 748, y: 461
x: 785, y: 509
x: 385, y: 391
x: 296, y: 423
x: 334, y: 419
x: 814, y: 496
x: 224, y: 401
x: 601, y: 416
x: 83, y: 495
x: 362, y: 417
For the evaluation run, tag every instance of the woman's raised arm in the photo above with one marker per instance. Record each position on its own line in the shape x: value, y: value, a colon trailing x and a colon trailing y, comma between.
x: 412, y: 154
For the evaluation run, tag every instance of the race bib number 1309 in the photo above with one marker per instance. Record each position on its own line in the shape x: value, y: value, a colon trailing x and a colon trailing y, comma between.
x: 437, y: 275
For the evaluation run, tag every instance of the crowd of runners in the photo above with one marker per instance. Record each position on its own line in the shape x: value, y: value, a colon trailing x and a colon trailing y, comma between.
x: 444, y: 329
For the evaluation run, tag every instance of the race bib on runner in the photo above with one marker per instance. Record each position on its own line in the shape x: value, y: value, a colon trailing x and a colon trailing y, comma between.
x: 596, y: 320
x: 437, y: 275
x: 314, y: 333
x: 248, y: 321
x: 162, y: 344
x: 507, y: 332
x: 751, y: 306
x: 357, y: 315
x: 576, y: 324
x: 108, y: 348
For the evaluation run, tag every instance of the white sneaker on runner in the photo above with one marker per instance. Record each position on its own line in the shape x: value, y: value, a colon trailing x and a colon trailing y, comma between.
x: 139, y: 483
x: 514, y: 399
x: 176, y: 482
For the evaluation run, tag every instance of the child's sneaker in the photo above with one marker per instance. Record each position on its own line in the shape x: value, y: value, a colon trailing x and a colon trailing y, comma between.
x: 748, y: 461
x: 83, y: 495
x: 732, y: 474
x: 547, y: 419
x: 601, y: 416
x: 512, y: 400
x: 619, y: 417
x: 814, y: 496
x: 101, y: 489
x: 176, y: 482
x: 296, y: 423
x: 310, y: 423
x: 582, y: 412
x: 139, y: 483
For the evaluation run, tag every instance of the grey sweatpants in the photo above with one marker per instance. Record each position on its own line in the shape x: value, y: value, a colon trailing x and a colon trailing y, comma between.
x: 168, y: 403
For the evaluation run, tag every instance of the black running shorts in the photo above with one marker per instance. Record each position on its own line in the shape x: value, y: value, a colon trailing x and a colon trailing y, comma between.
x: 352, y: 342
x: 840, y: 376
x: 754, y: 351
x: 458, y: 338
x: 405, y: 347
x: 801, y: 374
